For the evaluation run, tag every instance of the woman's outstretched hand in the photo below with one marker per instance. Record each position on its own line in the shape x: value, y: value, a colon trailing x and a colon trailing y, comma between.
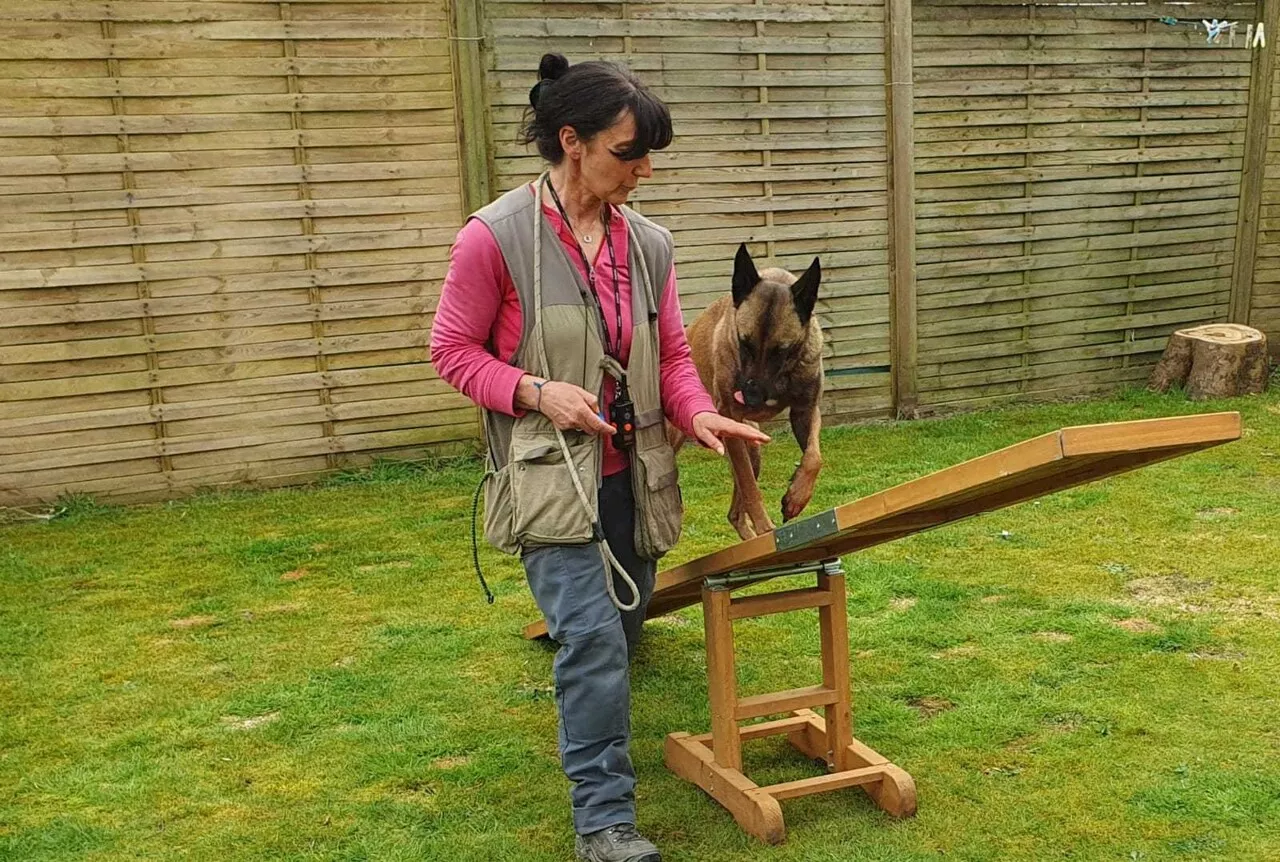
x: 712, y: 428
x: 569, y: 407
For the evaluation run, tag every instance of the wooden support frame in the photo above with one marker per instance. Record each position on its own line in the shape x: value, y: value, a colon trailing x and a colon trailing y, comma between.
x: 713, y: 761
x: 1041, y: 465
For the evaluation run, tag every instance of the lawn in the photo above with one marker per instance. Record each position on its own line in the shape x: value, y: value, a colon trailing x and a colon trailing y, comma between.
x: 313, y: 673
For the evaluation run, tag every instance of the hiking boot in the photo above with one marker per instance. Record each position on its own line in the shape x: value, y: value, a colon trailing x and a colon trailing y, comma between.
x: 618, y: 843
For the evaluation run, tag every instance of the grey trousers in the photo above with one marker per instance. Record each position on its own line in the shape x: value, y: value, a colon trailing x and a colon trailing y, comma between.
x: 592, y: 679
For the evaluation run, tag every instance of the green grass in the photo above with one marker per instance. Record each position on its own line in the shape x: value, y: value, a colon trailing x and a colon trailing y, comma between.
x: 313, y: 673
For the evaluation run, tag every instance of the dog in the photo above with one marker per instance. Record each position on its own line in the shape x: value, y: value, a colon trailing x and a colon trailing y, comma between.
x: 759, y: 352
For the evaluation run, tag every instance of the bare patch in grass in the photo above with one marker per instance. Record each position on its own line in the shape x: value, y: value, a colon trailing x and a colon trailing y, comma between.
x: 961, y: 651
x: 1167, y: 590
x: 991, y: 600
x: 450, y: 762
x: 1217, y: 655
x: 295, y: 575
x: 1179, y: 592
x: 1137, y: 625
x: 235, y: 722
x: 1003, y: 771
x: 195, y: 622
x: 1053, y: 637
x: 903, y: 603
x: 1220, y: 513
x: 929, y: 706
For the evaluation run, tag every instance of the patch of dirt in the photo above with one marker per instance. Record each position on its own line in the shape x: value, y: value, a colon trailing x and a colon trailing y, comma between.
x: 1269, y: 608
x: 238, y: 723
x: 1218, y: 514
x: 1053, y: 637
x: 194, y: 622
x: 345, y: 661
x: 1137, y: 625
x: 991, y: 600
x: 1179, y: 592
x: 864, y: 653
x: 286, y: 608
x: 930, y: 706
x: 1166, y: 590
x: 903, y: 603
x: 295, y: 575
x: 450, y: 762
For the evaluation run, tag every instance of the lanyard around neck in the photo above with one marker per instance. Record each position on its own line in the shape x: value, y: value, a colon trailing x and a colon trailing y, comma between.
x: 610, y: 347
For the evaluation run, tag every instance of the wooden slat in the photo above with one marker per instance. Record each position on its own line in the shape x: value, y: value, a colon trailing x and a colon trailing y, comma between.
x: 778, y: 603
x: 824, y: 783
x: 783, y: 701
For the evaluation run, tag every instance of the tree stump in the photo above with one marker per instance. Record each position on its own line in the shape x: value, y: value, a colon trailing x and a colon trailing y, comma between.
x: 1218, y: 360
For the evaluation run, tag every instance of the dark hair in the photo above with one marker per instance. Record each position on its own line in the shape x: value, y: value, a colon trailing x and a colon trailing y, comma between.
x: 589, y: 97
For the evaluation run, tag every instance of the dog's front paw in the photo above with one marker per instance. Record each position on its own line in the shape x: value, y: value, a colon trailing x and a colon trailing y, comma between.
x: 742, y: 524
x: 763, y: 526
x: 795, y: 501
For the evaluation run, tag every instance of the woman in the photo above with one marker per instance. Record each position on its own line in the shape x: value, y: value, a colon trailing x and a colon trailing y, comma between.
x: 560, y: 317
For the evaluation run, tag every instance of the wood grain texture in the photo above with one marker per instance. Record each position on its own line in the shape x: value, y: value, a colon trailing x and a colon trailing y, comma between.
x: 1042, y: 465
x: 222, y: 228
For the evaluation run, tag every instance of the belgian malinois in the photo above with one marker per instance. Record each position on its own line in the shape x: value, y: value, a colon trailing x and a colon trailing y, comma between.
x: 758, y: 353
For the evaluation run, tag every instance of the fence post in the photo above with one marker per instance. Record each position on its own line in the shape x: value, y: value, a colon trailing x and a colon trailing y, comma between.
x: 473, y: 132
x: 474, y: 163
x: 1255, y: 159
x: 899, y: 99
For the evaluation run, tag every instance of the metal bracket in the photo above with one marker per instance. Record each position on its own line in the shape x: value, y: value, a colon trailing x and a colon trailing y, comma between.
x: 733, y: 580
x: 801, y: 533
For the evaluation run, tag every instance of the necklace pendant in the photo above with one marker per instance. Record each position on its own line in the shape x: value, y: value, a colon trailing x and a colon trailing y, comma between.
x: 587, y: 239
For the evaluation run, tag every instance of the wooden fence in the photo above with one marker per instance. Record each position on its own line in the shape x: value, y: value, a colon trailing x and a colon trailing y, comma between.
x: 223, y: 225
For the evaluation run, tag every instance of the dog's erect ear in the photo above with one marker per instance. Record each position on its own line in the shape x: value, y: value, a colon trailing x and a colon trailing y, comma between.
x: 805, y: 291
x: 745, y: 277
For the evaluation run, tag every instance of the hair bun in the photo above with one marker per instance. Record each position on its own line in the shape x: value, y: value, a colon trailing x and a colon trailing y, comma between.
x: 535, y: 92
x: 552, y: 66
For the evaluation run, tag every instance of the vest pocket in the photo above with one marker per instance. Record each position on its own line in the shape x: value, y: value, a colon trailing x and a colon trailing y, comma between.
x: 546, y: 509
x: 655, y: 481
x: 498, y: 522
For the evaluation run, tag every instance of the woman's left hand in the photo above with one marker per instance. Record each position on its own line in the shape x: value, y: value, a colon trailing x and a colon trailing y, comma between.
x: 711, y: 428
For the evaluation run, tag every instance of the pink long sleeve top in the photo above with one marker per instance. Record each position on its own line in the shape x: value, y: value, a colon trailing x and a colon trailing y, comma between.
x: 478, y: 324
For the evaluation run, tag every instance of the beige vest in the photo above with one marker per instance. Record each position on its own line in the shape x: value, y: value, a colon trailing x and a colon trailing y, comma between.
x: 530, y: 498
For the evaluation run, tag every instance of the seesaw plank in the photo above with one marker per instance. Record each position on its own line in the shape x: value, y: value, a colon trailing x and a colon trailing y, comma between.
x: 1024, y: 471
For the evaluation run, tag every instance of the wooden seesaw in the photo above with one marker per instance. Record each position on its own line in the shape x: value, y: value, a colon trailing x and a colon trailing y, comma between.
x: 713, y: 761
